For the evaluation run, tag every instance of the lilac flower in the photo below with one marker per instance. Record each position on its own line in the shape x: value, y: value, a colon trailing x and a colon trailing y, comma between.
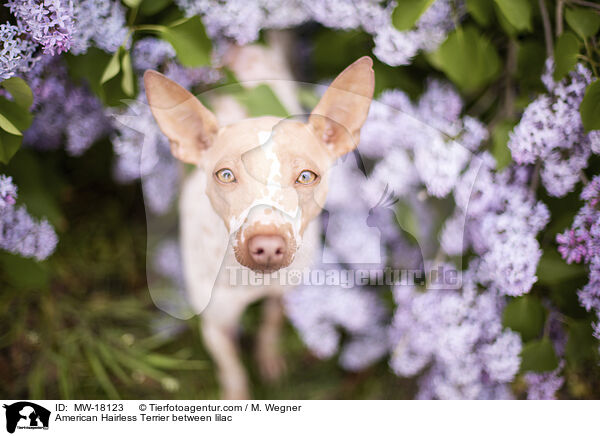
x: 21, y: 234
x: 320, y: 312
x: 459, y: 336
x: 543, y: 386
x: 80, y: 119
x: 48, y: 22
x: 8, y: 191
x: 242, y: 21
x: 551, y: 131
x: 571, y: 246
x: 100, y: 23
x: 16, y: 53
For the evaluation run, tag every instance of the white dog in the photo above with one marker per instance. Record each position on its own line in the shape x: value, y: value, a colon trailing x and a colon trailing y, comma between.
x: 252, y: 200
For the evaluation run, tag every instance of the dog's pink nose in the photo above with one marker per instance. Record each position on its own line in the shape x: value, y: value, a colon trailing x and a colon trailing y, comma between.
x: 268, y: 251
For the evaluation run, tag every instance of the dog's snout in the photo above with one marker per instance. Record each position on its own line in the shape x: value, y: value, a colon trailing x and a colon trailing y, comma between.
x: 267, y: 250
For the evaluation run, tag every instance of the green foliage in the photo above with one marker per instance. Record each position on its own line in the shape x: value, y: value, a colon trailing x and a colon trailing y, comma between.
x: 481, y: 10
x: 565, y: 54
x: 581, y: 344
x: 553, y: 270
x: 500, y: 149
x: 516, y: 12
x: 468, y: 58
x: 538, y: 356
x: 585, y: 22
x: 525, y: 315
x: 590, y: 107
x: 14, y: 116
x: 407, y: 12
x: 260, y: 100
x: 189, y: 39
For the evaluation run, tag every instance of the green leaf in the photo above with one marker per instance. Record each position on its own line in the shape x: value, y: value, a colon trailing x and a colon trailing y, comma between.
x: 16, y: 114
x: 9, y: 144
x: 500, y: 149
x: 189, y: 39
x: 20, y: 91
x: 565, y: 54
x: 590, y: 107
x: 261, y: 100
x: 407, y: 12
x: 468, y: 58
x: 585, y: 22
x: 581, y: 343
x: 101, y: 376
x: 128, y: 79
x: 151, y: 7
x: 9, y: 127
x: 24, y: 273
x: 113, y: 67
x: 552, y: 269
x: 538, y: 356
x: 516, y: 12
x: 531, y: 58
x: 481, y: 10
x: 132, y: 3
x: 525, y: 315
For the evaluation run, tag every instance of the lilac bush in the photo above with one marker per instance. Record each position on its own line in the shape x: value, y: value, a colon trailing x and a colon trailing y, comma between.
x: 434, y: 183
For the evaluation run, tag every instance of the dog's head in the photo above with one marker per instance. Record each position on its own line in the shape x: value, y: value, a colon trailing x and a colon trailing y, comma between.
x: 267, y: 176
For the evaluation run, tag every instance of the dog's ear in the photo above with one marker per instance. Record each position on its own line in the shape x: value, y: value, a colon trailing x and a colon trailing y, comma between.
x: 343, y: 109
x: 190, y: 127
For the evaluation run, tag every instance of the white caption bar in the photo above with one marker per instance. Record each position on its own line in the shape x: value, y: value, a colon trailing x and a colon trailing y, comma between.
x: 305, y: 418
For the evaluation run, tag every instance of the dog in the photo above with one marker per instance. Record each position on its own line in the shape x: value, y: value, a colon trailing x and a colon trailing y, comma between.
x: 252, y: 200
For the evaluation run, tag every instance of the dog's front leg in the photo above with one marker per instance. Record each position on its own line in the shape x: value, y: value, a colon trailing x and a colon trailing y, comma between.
x: 221, y: 342
x: 268, y: 355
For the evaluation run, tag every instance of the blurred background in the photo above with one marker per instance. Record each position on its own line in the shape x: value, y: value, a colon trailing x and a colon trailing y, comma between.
x: 484, y: 133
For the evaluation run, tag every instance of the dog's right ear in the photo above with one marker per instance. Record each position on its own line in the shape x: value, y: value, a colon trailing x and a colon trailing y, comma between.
x: 190, y: 127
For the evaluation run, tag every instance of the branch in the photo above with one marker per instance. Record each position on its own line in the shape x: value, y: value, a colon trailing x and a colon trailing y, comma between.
x: 586, y: 3
x: 559, y: 17
x: 547, y: 28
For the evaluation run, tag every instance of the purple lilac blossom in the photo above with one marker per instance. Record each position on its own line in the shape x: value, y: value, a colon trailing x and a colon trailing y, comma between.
x: 17, y: 53
x: 552, y: 133
x: 458, y: 338
x: 242, y: 21
x: 100, y: 23
x: 19, y: 232
x: 8, y: 191
x: 48, y: 22
x: 78, y: 122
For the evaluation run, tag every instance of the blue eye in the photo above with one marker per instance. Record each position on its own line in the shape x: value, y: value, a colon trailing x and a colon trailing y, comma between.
x: 306, y: 177
x: 225, y: 175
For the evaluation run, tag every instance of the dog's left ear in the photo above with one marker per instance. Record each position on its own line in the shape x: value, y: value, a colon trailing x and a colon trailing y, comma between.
x: 190, y: 127
x: 343, y: 109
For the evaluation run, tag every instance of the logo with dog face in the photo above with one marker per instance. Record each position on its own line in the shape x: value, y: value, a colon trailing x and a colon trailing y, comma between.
x: 26, y: 415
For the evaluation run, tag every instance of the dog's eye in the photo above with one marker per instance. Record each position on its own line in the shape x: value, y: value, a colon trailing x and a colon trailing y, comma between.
x: 306, y: 177
x: 225, y: 175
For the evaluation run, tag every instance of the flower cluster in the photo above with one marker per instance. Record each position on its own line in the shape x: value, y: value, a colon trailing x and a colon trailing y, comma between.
x: 78, y: 122
x: 581, y: 244
x: 551, y: 133
x: 19, y: 232
x: 242, y: 21
x: 458, y: 336
x: 48, y: 24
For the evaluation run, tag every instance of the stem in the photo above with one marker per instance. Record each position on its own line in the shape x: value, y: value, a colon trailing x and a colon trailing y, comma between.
x: 132, y: 16
x: 149, y: 28
x: 509, y: 92
x: 586, y: 3
x: 589, y: 53
x: 547, y: 28
x: 559, y: 17
x: 583, y: 178
x: 535, y: 177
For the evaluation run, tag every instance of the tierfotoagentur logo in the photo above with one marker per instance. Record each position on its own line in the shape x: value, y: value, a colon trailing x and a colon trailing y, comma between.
x: 26, y: 415
x: 438, y: 277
